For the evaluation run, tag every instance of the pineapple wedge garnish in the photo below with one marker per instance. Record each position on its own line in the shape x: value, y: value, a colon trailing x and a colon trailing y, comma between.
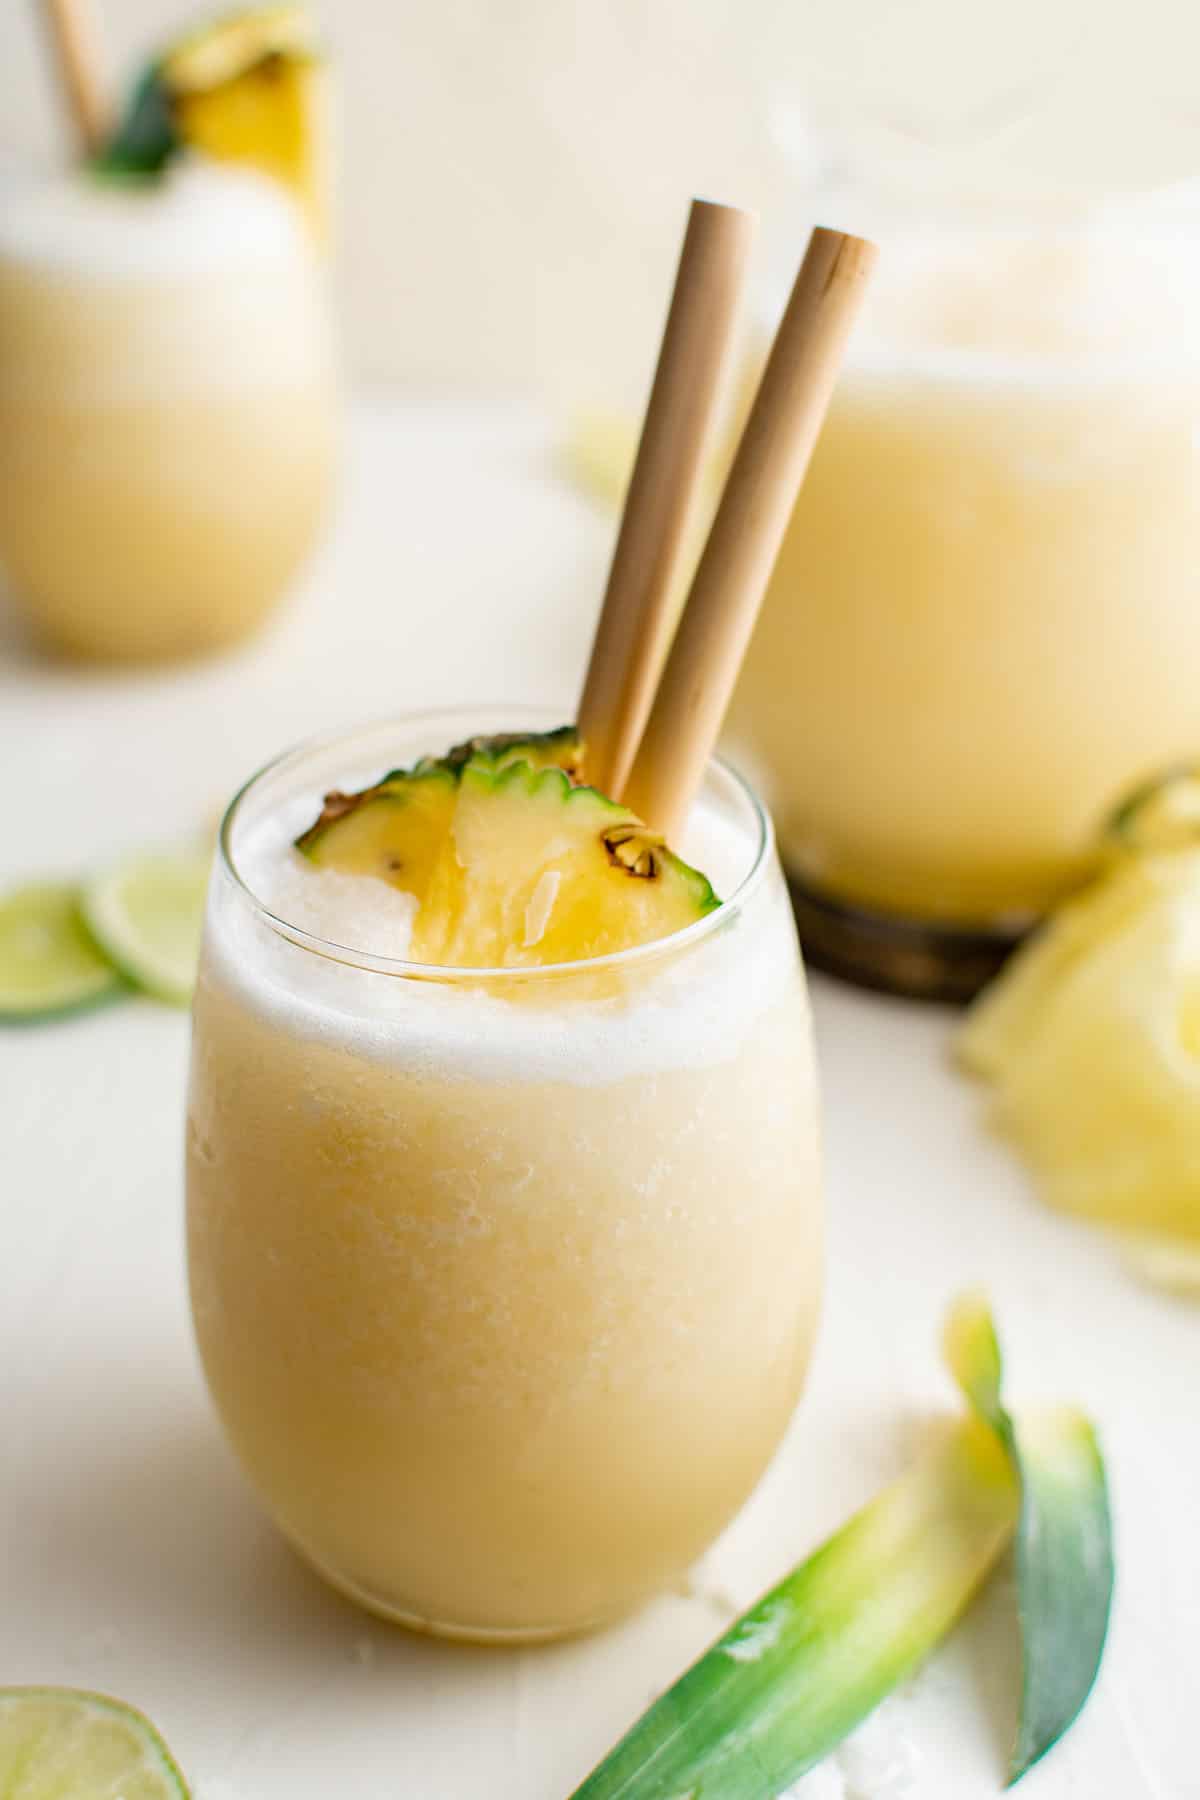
x: 251, y: 88
x: 513, y: 862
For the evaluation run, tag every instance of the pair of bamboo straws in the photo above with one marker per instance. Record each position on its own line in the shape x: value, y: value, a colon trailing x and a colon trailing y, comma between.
x: 650, y: 749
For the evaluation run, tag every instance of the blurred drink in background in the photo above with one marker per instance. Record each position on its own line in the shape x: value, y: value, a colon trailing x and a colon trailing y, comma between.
x: 985, y: 621
x: 166, y: 406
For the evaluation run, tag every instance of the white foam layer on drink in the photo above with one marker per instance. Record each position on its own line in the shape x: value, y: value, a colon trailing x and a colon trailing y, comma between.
x: 199, y: 218
x: 1114, y: 295
x: 675, y: 1010
x: 202, y: 288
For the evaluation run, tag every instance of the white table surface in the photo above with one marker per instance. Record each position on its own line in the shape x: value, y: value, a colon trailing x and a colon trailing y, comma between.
x: 132, y: 1557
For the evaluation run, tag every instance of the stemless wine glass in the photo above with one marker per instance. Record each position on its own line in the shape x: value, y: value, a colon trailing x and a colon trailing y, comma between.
x: 505, y: 1280
x: 167, y: 407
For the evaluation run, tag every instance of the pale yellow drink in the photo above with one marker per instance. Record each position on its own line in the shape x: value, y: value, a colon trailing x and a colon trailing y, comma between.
x: 505, y: 1287
x: 166, y: 407
x: 985, y: 621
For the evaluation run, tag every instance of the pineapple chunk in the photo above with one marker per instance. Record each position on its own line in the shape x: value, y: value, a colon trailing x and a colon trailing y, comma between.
x: 1091, y: 1040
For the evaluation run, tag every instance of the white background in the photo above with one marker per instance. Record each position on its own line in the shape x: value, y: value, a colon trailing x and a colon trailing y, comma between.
x: 516, y: 172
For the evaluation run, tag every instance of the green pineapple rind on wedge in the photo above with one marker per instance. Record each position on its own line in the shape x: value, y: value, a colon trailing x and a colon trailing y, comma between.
x: 514, y: 862
x: 394, y: 830
x: 561, y: 748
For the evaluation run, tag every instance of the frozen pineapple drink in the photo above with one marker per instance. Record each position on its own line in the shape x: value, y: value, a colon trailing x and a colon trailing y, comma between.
x: 985, y: 620
x: 505, y: 1278
x: 166, y: 406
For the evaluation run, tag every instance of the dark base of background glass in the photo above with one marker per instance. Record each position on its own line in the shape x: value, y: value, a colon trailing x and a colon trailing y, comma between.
x: 894, y: 955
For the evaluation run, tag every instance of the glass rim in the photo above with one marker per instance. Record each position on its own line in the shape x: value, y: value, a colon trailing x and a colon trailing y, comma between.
x: 406, y: 969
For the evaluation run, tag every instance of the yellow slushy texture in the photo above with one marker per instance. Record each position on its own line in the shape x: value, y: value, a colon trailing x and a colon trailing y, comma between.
x: 505, y: 1302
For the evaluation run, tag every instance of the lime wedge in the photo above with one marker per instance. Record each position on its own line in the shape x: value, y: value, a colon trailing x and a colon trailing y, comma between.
x: 146, y: 914
x: 48, y: 963
x: 59, y: 1744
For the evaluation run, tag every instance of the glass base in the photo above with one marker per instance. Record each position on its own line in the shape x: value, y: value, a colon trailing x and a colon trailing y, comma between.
x: 922, y: 960
x: 395, y: 1613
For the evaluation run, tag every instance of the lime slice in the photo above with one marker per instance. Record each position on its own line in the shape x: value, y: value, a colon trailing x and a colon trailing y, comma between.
x: 146, y: 913
x: 48, y: 963
x: 59, y: 1744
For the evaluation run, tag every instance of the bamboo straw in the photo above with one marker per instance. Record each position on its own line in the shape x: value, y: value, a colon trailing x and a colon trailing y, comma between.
x: 748, y: 529
x: 635, y: 622
x: 75, y: 41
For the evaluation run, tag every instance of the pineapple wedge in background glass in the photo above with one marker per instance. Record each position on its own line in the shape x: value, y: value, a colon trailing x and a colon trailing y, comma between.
x: 251, y: 89
x: 1091, y: 1037
x: 167, y: 373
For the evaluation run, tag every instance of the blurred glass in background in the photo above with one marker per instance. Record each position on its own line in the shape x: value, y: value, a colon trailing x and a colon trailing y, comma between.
x: 166, y: 407
x: 167, y: 398
x: 984, y: 625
